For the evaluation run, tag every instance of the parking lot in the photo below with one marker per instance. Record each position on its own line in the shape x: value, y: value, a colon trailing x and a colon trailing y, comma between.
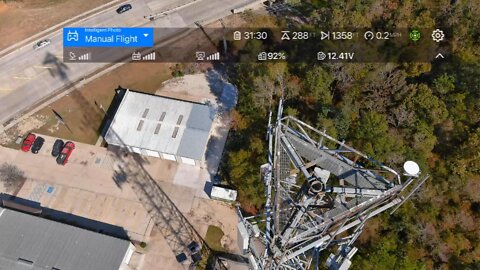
x: 136, y: 192
x: 94, y: 185
x: 84, y: 187
x: 130, y: 215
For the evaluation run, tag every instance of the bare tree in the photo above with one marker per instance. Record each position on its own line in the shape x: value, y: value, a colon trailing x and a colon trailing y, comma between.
x: 264, y: 93
x: 11, y: 176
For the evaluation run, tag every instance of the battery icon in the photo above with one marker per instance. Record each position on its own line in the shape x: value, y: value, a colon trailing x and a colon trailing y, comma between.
x: 237, y: 35
x: 262, y: 56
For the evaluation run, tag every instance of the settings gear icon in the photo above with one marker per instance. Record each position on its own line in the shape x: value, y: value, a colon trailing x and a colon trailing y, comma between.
x: 438, y: 35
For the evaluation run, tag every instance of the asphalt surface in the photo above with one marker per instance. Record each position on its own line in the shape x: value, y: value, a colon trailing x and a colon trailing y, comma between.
x: 29, y: 76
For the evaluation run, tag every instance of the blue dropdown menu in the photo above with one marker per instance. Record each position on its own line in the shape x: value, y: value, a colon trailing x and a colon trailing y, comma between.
x: 107, y: 37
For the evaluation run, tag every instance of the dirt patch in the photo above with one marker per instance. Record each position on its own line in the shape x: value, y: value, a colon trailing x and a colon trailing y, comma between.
x: 3, y: 7
x: 158, y: 253
x: 21, y: 19
x: 195, y: 87
x: 206, y: 213
x: 82, y: 110
x: 22, y: 129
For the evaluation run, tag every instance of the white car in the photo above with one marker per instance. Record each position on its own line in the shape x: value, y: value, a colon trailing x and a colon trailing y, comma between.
x: 41, y: 44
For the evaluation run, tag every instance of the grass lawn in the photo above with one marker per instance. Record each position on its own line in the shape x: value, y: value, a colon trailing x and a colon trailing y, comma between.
x: 213, y: 238
x: 80, y: 109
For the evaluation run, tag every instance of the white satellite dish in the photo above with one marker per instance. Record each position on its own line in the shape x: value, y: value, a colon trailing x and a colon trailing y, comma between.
x: 411, y: 168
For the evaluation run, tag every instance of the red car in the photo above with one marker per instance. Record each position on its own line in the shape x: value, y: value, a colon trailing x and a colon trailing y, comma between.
x: 67, y: 150
x: 28, y: 142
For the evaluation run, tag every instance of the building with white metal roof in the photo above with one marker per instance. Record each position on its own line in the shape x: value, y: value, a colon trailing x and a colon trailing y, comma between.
x: 32, y: 242
x: 162, y: 127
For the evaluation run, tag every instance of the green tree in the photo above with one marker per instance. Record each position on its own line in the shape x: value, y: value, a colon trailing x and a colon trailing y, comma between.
x: 444, y: 84
x: 342, y: 124
x: 317, y: 84
x: 428, y: 107
x: 372, y: 134
x: 422, y: 138
x: 467, y: 158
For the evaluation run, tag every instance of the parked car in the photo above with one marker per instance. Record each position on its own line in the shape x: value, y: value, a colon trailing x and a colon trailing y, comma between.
x: 195, y: 252
x: 196, y: 257
x: 194, y: 247
x: 124, y: 8
x: 28, y: 142
x: 57, y: 147
x: 67, y: 150
x: 42, y: 43
x: 182, y: 258
x: 37, y: 145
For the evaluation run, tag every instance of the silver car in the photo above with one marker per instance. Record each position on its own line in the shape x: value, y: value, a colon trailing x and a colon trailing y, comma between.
x: 41, y: 44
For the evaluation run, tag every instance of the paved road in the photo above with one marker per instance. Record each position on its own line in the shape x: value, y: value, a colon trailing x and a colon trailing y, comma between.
x: 29, y: 76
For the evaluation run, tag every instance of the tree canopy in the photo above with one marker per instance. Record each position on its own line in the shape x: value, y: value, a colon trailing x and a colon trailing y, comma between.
x: 426, y: 112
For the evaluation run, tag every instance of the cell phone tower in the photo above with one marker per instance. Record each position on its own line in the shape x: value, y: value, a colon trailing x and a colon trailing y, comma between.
x: 319, y: 194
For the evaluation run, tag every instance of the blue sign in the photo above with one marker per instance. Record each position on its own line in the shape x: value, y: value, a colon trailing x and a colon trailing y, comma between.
x: 107, y: 37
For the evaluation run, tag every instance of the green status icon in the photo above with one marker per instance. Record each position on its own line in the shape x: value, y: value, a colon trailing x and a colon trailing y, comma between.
x: 415, y: 35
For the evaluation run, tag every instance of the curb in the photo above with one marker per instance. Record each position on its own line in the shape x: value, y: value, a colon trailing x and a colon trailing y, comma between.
x: 62, y: 91
x: 86, y: 15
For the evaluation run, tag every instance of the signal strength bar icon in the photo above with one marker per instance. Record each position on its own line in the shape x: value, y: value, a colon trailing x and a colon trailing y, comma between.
x: 215, y: 56
x: 84, y: 57
x: 149, y: 57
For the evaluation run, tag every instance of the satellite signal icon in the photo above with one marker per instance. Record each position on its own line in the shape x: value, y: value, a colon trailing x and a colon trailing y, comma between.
x: 84, y: 57
x: 149, y: 57
x: 214, y: 56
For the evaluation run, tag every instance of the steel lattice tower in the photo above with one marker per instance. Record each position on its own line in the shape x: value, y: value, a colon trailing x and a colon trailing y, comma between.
x: 319, y: 194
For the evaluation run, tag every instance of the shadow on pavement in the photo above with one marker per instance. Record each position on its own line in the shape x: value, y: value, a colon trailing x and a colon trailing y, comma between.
x: 62, y: 217
x: 59, y: 69
x: 208, y: 188
x: 173, y: 225
x: 226, y: 97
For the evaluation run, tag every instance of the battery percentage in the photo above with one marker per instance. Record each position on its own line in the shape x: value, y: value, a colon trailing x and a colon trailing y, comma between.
x: 264, y: 56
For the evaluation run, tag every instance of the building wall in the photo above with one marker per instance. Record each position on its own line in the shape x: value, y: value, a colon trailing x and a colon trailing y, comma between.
x: 169, y: 157
x: 188, y: 161
x: 127, y: 258
x: 150, y: 153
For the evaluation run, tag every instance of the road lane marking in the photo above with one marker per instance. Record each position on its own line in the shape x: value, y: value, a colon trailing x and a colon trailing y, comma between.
x: 23, y: 77
x: 46, y: 67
